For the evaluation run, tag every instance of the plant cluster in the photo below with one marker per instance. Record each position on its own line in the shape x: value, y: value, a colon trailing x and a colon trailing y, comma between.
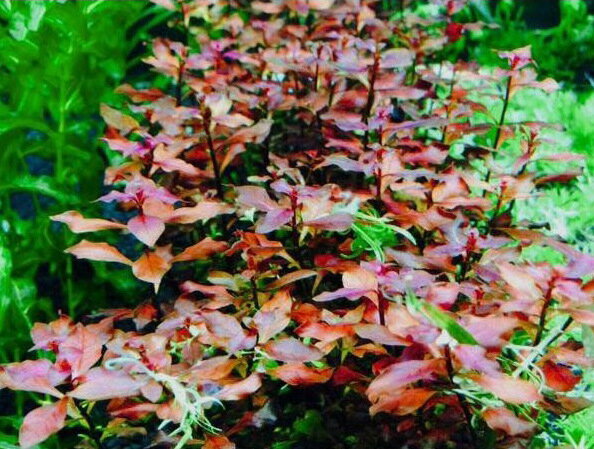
x: 322, y: 203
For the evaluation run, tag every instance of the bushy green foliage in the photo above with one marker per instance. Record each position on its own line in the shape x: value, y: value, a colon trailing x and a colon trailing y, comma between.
x: 563, y: 52
x: 59, y: 61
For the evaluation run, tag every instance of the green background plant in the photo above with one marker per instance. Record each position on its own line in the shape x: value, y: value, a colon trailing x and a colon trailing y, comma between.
x: 60, y: 60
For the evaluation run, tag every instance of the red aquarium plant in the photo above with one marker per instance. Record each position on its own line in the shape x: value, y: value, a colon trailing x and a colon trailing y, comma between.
x: 343, y: 186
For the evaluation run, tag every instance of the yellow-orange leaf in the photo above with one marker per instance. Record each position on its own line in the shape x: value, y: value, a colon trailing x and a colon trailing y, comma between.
x: 116, y: 119
x: 151, y: 268
x: 201, y: 250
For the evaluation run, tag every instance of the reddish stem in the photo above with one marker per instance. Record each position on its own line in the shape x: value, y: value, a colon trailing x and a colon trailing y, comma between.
x: 542, y: 320
x: 461, y: 400
x: 213, y: 157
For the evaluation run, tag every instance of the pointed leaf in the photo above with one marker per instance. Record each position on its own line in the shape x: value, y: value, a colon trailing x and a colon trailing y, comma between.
x: 151, y: 267
x: 79, y: 224
x: 42, y: 422
x: 204, y: 249
x: 116, y: 119
x: 292, y: 350
x: 147, y: 229
x: 98, y: 251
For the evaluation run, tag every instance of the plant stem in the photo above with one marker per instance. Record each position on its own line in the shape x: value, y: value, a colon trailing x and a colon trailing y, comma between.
x: 503, y: 111
x: 381, y: 306
x: 542, y: 321
x: 254, y: 291
x: 294, y: 230
x: 93, y: 433
x: 501, y: 120
x: 450, y: 96
x: 179, y: 84
x: 463, y: 404
x: 370, y: 95
x: 213, y: 156
x: 495, y: 212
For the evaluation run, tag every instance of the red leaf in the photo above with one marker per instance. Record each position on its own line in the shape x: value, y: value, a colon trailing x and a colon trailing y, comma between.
x: 348, y: 293
x: 292, y: 350
x: 202, y: 250
x: 562, y: 178
x: 98, y: 251
x: 100, y: 384
x: 333, y: 222
x: 274, y: 220
x: 147, y: 229
x: 82, y: 349
x: 203, y: 211
x: 502, y: 419
x: 324, y: 332
x: 39, y: 376
x: 402, y: 402
x: 42, y: 422
x: 241, y: 389
x: 142, y: 94
x: 290, y: 279
x: 49, y: 336
x: 559, y: 377
x: 299, y: 374
x: 257, y: 197
x: 396, y: 57
x: 218, y: 442
x: 509, y: 389
x: 401, y: 374
x: 345, y: 375
x: 379, y: 334
x: 216, y: 368
x: 518, y: 58
x: 474, y: 358
x: 273, y: 317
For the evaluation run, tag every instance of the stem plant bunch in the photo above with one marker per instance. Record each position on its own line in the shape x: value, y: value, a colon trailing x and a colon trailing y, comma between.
x: 323, y: 205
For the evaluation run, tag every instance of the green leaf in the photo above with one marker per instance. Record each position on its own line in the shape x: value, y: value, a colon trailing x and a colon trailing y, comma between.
x: 441, y: 319
x: 588, y: 340
x: 45, y: 185
x: 444, y: 321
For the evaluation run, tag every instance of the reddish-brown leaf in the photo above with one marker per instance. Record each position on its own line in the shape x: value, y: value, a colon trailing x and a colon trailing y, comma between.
x: 99, y: 384
x: 292, y: 350
x: 290, y: 278
x: 241, y: 389
x: 202, y: 250
x: 81, y: 350
x: 509, y: 389
x: 401, y: 374
x: 402, y: 402
x: 218, y: 442
x: 203, y: 211
x: 299, y: 374
x: 502, y: 419
x: 42, y: 422
x: 559, y: 377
